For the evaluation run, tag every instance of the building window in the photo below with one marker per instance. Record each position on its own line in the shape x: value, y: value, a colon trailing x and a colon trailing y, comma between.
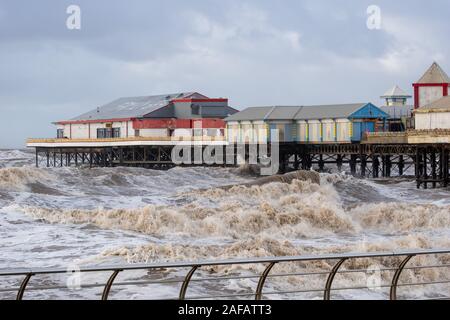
x: 105, y: 133
x: 195, y: 109
x: 60, y: 133
x: 136, y: 133
x: 101, y: 133
x: 116, y: 132
x: 212, y: 132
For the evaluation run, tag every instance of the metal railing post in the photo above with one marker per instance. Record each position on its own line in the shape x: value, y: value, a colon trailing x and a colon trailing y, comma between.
x: 327, y: 292
x: 23, y: 286
x: 109, y: 284
x: 396, y: 277
x: 186, y: 281
x: 262, y: 280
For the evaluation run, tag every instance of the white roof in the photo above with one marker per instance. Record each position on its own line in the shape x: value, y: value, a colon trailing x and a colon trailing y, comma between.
x: 434, y: 74
x: 395, y: 92
x: 442, y: 104
x: 131, y: 107
x: 297, y: 112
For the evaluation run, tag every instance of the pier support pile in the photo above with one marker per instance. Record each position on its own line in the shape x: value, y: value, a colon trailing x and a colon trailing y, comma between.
x: 429, y: 163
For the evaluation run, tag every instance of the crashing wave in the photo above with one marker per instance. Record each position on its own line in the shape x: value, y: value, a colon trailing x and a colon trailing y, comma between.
x: 19, y: 179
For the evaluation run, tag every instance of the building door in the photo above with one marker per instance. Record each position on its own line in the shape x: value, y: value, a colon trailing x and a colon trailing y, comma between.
x: 287, y: 132
x: 368, y: 127
x: 357, y: 130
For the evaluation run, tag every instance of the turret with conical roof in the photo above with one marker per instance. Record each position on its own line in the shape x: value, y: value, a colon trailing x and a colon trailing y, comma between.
x: 432, y: 86
x: 395, y: 97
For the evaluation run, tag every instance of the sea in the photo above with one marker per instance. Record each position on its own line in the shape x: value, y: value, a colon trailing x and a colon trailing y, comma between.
x: 74, y: 217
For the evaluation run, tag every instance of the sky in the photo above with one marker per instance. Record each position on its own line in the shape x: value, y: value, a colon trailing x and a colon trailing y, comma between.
x: 287, y: 52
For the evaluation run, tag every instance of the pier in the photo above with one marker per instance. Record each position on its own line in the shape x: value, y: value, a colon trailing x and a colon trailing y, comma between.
x: 422, y: 154
x: 152, y: 153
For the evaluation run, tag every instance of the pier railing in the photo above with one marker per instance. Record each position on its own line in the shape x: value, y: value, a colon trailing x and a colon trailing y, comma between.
x: 385, y: 138
x: 401, y: 261
x: 129, y: 139
x: 412, y: 137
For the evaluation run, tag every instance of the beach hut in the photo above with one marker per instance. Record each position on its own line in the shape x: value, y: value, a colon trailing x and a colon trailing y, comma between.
x: 338, y: 123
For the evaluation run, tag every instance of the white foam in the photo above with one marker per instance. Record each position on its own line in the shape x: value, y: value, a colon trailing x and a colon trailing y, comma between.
x: 52, y: 217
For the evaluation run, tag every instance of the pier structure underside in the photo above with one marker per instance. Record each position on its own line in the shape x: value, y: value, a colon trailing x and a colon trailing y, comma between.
x: 428, y: 163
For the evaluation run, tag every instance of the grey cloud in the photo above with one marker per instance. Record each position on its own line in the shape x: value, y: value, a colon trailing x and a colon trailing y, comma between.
x: 254, y: 52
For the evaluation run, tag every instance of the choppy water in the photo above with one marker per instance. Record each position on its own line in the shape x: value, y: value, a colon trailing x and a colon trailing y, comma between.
x: 62, y: 216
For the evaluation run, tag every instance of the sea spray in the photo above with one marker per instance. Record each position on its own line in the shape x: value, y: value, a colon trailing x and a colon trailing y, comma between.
x: 402, y: 217
x: 267, y: 247
x: 118, y: 215
x: 298, y: 209
x: 19, y: 179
